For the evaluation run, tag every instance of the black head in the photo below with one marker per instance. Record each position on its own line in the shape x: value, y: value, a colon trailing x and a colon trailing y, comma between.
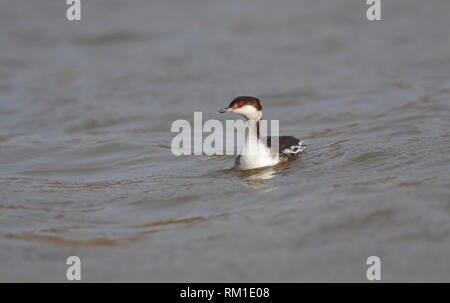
x: 245, y: 100
x: 248, y: 107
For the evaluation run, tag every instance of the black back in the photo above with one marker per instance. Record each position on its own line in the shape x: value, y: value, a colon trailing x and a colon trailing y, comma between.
x: 288, y: 146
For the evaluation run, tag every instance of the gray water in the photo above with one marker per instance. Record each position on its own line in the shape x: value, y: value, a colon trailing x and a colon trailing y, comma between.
x: 86, y: 169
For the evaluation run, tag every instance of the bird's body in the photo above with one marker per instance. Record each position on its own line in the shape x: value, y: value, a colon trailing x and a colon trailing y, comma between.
x: 260, y: 152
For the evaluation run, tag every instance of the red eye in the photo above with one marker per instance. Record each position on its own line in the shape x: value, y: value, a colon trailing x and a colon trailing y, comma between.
x: 240, y: 104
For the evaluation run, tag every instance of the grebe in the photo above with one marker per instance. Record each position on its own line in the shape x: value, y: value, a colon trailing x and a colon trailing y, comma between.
x: 256, y: 152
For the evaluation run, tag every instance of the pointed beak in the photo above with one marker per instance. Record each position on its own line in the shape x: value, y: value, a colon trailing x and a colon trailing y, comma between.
x: 225, y: 110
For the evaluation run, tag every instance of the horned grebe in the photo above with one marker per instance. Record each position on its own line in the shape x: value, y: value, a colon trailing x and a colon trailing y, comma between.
x: 257, y: 153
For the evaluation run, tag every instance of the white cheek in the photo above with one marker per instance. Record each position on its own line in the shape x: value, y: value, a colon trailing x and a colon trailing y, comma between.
x: 245, y: 110
x: 248, y: 111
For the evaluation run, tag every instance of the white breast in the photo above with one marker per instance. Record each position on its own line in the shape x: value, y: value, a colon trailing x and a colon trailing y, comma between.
x: 262, y: 158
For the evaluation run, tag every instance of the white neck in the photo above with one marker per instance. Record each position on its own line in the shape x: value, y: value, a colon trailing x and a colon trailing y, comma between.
x: 256, y: 153
x: 251, y: 141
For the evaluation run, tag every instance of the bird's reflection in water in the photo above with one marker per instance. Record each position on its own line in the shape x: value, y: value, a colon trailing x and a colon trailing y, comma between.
x: 256, y: 178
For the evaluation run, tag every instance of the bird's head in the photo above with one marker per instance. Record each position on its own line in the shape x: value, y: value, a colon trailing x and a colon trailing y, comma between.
x: 246, y: 106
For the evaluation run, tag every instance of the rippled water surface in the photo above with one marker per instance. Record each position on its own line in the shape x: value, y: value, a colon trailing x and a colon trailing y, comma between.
x: 86, y: 169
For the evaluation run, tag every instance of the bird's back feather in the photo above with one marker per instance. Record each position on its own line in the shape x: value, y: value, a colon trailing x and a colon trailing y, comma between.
x: 289, y: 146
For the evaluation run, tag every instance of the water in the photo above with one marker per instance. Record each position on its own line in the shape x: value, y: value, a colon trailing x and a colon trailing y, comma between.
x: 85, y: 114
